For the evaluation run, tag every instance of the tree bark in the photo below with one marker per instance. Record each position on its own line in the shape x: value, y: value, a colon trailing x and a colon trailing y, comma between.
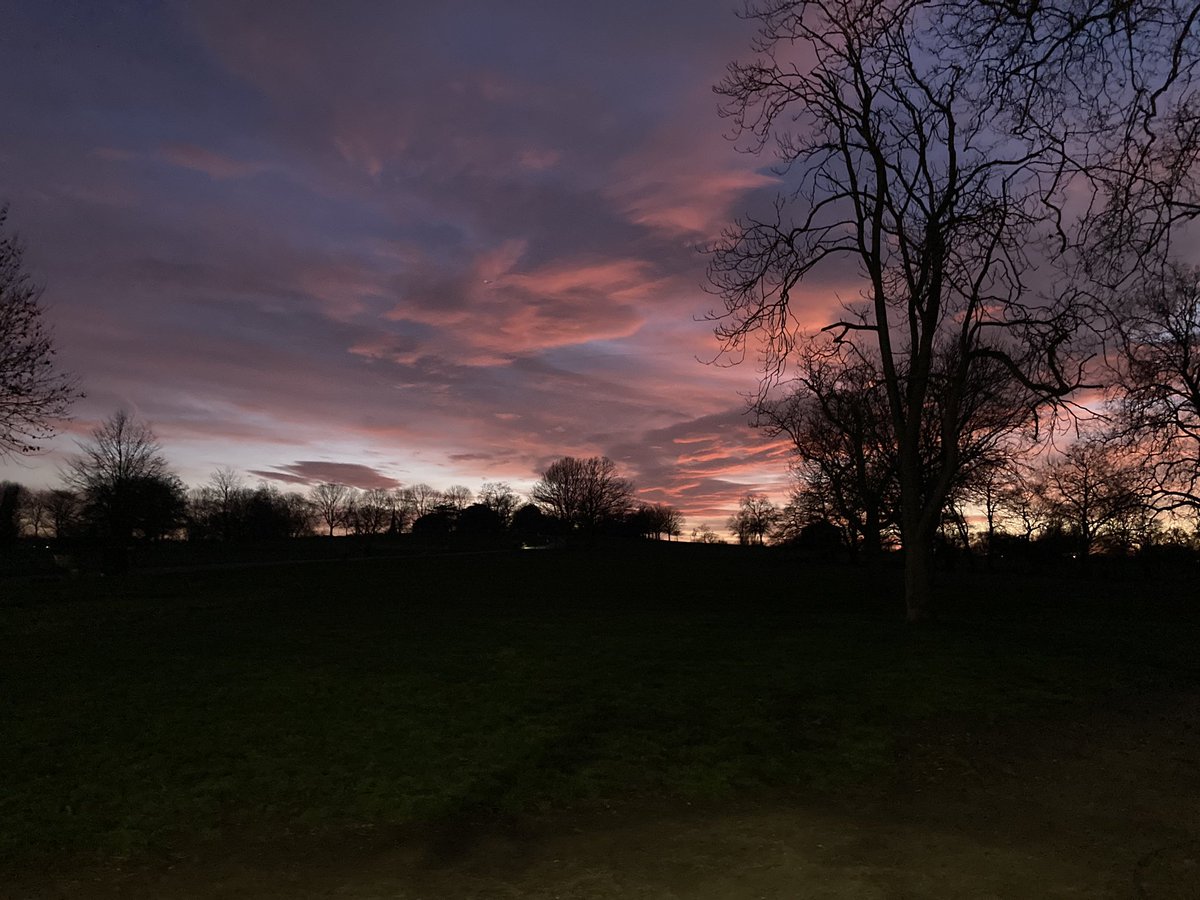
x: 918, y: 578
x: 872, y: 540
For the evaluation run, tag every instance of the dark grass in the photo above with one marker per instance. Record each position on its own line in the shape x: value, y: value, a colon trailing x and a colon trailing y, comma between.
x: 145, y: 714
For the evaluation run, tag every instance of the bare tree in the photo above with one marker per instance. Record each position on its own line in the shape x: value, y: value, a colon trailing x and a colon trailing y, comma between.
x: 301, y: 514
x: 584, y: 493
x: 458, y: 497
x: 835, y: 412
x: 224, y: 494
x: 374, y: 511
x: 754, y: 519
x: 35, y: 513
x: 126, y: 485
x: 400, y: 508
x: 501, y: 499
x: 1093, y: 493
x: 668, y: 520
x: 63, y: 508
x: 330, y: 500
x: 703, y: 534
x: 32, y: 393
x: 1158, y: 377
x: 656, y: 521
x: 423, y: 499
x: 939, y: 147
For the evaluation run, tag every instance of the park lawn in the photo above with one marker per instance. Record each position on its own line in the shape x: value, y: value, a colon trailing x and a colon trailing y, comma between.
x: 151, y: 713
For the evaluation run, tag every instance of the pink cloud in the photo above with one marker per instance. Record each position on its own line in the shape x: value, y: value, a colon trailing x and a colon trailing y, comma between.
x: 538, y: 160
x: 215, y: 165
x: 683, y: 184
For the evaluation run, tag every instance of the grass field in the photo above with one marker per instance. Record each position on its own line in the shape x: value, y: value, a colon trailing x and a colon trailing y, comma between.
x: 146, y: 715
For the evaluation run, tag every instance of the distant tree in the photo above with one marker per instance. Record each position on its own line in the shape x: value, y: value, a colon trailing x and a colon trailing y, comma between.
x: 478, y: 521
x: 263, y: 514
x: 500, y: 497
x: 1093, y: 493
x: 657, y: 521
x: 32, y: 393
x: 302, y: 515
x: 228, y: 494
x: 1019, y: 500
x: 126, y: 485
x: 458, y: 496
x: 703, y: 534
x: 374, y: 511
x: 330, y: 502
x: 400, y: 510
x: 530, y: 523
x: 422, y: 498
x: 754, y: 518
x: 63, y: 507
x: 435, y: 525
x: 216, y: 510
x: 35, y: 514
x: 351, y: 521
x: 584, y: 493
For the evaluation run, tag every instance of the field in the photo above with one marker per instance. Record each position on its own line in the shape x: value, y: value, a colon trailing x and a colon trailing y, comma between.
x: 664, y: 721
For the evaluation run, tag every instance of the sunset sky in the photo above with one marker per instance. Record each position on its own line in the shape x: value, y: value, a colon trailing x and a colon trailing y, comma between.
x: 388, y: 242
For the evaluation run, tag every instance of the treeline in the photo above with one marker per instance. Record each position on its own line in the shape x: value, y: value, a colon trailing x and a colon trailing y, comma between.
x: 1097, y: 496
x: 120, y: 491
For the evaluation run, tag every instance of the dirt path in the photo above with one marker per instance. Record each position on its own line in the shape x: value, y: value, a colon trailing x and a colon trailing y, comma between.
x: 1104, y: 808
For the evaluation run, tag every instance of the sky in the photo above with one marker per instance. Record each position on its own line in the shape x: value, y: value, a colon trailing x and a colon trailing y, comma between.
x: 390, y: 242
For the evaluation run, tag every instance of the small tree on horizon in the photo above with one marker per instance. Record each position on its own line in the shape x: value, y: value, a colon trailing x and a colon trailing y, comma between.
x: 330, y: 501
x: 584, y: 493
x: 126, y: 484
x: 755, y: 517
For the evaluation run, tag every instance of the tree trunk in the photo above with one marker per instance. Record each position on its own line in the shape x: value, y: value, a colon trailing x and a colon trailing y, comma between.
x: 872, y: 540
x: 918, y: 577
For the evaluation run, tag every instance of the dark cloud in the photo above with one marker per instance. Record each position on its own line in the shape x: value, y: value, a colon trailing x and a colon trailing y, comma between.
x: 316, y: 471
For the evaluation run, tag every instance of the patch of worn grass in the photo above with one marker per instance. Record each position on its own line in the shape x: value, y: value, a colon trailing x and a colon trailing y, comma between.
x: 145, y: 713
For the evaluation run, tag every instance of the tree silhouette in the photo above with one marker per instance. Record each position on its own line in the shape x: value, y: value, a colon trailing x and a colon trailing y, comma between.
x: 656, y: 521
x: 755, y: 517
x: 35, y: 514
x: 422, y: 499
x: 937, y: 147
x: 478, y: 521
x: 584, y: 493
x: 372, y: 511
x: 330, y: 501
x: 1158, y: 377
x: 63, y: 509
x: 530, y: 523
x: 458, y: 496
x: 32, y: 393
x: 501, y: 498
x: 126, y: 485
x: 1092, y: 492
x: 835, y: 413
